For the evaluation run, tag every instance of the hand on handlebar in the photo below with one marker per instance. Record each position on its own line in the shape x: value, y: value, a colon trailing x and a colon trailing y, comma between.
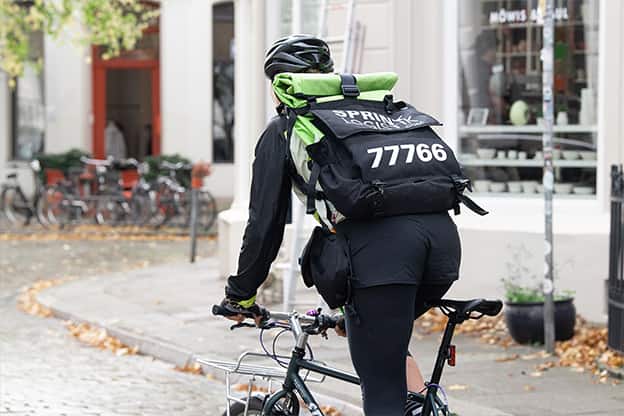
x: 230, y: 309
x: 341, y: 329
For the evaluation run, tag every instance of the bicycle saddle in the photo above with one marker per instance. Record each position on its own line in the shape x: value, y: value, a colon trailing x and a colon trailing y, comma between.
x: 466, y: 307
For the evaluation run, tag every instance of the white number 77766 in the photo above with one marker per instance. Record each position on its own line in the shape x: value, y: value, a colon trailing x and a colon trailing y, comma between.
x: 422, y: 151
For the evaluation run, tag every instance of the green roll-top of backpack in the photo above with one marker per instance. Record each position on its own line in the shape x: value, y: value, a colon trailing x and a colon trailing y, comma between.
x: 292, y: 88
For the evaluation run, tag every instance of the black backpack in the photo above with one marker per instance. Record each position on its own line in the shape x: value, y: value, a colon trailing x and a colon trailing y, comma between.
x: 377, y: 158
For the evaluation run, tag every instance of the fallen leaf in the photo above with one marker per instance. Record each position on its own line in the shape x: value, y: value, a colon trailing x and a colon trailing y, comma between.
x: 330, y: 411
x: 507, y: 358
x: 99, y: 338
x: 457, y: 387
x: 528, y: 387
x: 194, y: 368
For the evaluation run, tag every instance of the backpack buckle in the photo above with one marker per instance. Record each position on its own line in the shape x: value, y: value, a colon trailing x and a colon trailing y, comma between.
x: 348, y: 86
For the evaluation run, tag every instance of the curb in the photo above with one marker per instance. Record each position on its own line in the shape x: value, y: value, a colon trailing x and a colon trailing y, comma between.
x: 175, y: 354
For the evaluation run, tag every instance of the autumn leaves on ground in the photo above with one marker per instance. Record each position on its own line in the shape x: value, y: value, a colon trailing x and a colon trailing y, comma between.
x: 84, y: 252
x: 584, y: 352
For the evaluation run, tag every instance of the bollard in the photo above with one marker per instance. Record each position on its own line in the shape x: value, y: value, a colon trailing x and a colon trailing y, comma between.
x: 199, y: 171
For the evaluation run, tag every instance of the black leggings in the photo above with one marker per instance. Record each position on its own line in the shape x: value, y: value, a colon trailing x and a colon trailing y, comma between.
x: 379, y: 335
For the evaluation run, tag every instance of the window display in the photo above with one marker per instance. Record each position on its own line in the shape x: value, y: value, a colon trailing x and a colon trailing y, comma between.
x: 500, y: 105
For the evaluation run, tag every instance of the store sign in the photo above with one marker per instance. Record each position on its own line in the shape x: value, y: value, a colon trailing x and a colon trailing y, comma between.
x: 504, y: 16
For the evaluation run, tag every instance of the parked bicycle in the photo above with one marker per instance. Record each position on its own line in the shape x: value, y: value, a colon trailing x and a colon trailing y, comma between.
x: 173, y: 200
x: 18, y: 208
x: 285, y: 400
x: 114, y: 192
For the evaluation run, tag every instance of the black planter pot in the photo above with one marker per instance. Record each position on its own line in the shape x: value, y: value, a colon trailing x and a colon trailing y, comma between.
x: 525, y: 321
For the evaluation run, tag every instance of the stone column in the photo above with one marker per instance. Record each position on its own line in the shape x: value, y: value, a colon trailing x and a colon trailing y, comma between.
x: 249, y: 100
x: 5, y: 114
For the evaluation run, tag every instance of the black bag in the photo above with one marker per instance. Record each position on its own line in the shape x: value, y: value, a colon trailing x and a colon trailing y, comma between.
x: 381, y: 158
x: 325, y: 263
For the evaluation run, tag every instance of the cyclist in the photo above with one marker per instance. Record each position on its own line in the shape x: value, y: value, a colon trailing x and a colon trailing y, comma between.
x: 398, y: 262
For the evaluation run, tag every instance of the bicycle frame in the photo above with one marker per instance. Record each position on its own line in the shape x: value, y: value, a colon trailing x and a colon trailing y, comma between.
x: 294, y: 382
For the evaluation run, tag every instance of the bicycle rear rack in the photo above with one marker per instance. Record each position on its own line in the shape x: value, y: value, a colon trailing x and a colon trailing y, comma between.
x: 268, y: 374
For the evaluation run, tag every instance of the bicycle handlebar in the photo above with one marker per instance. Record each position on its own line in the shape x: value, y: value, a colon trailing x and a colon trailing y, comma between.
x: 95, y: 162
x: 110, y: 162
x: 175, y: 166
x: 318, y: 321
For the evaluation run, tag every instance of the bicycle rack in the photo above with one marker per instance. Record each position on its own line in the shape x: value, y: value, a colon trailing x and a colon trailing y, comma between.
x: 269, y: 374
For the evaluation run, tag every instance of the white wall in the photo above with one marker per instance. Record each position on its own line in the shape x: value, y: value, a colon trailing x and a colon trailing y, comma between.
x: 186, y: 85
x: 581, y: 265
x: 67, y: 83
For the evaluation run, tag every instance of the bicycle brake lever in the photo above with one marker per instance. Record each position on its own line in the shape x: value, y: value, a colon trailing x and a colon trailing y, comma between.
x: 242, y: 325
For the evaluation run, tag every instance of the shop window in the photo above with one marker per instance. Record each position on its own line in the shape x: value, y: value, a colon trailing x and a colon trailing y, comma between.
x: 27, y: 107
x: 223, y: 82
x: 500, y: 111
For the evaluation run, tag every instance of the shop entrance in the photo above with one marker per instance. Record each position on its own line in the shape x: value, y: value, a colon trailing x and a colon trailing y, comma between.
x: 126, y: 101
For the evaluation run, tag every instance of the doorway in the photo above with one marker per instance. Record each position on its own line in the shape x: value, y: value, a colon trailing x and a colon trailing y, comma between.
x: 126, y: 101
x: 129, y: 111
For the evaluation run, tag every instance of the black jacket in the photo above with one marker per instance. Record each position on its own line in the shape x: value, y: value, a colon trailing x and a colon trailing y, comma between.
x: 269, y: 204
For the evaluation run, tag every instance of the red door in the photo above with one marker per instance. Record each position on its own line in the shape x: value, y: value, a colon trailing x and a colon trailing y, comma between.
x: 139, y: 60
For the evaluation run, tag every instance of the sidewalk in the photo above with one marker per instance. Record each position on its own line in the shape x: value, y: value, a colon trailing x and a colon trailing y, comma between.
x: 166, y: 312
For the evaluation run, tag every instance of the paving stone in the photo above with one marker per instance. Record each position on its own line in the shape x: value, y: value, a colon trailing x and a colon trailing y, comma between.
x: 46, y: 372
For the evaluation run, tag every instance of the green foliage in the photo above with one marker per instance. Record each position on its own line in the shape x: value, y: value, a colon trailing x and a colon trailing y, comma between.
x: 519, y: 294
x: 521, y: 284
x: 115, y: 25
x: 62, y: 161
x: 184, y: 177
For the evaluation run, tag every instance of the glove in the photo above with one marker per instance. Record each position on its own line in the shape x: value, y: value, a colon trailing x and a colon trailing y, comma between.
x: 232, y: 309
x: 341, y: 328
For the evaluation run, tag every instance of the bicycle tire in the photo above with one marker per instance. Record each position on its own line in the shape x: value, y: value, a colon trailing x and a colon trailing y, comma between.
x: 168, y: 207
x: 16, y: 214
x: 109, y: 210
x: 56, y: 208
x: 140, y: 208
x: 238, y: 409
x: 207, y: 214
x: 39, y: 207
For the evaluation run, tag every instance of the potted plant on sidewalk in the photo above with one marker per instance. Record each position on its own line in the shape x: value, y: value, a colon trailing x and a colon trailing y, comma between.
x: 524, y: 304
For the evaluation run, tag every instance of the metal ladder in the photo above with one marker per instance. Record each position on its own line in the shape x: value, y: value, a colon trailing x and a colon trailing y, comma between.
x: 352, y: 42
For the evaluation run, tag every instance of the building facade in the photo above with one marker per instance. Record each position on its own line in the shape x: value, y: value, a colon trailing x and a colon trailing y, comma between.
x: 197, y: 89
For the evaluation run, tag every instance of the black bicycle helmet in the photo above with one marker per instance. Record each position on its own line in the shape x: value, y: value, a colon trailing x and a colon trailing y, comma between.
x: 298, y: 53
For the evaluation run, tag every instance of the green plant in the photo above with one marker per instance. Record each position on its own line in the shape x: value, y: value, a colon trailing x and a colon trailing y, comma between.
x: 115, y: 25
x: 63, y: 161
x: 519, y: 294
x: 521, y: 284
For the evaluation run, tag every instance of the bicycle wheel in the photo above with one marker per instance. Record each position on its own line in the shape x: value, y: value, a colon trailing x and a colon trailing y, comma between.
x: 168, y: 207
x: 109, y: 210
x: 56, y: 208
x: 238, y: 409
x: 41, y: 208
x: 140, y: 208
x: 207, y: 213
x: 15, y: 206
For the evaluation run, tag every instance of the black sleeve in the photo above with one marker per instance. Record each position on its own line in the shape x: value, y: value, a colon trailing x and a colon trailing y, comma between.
x: 269, y: 204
